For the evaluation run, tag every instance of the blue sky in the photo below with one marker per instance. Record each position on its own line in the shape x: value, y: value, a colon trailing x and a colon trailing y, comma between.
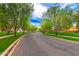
x: 39, y: 8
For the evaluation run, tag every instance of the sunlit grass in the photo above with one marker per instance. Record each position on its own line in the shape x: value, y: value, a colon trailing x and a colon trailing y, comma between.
x: 6, y: 42
x: 64, y: 35
x: 11, y: 33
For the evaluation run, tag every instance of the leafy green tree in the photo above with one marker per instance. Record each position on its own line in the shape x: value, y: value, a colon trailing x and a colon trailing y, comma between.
x: 46, y: 25
x: 76, y: 18
x: 52, y: 14
x: 14, y: 16
x: 61, y: 18
x: 31, y: 28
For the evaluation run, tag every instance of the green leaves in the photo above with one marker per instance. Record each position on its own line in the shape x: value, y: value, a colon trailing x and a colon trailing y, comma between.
x: 14, y: 16
x: 46, y: 24
x: 61, y: 18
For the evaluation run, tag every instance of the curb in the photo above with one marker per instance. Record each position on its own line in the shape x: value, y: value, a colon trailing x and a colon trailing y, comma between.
x: 67, y: 40
x: 8, y: 50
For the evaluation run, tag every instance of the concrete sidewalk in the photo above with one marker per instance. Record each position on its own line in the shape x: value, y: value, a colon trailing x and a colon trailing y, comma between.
x: 5, y: 36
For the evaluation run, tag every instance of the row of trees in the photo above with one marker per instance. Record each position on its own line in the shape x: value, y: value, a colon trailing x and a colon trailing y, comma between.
x: 61, y: 18
x: 31, y: 28
x: 46, y: 25
x: 15, y: 17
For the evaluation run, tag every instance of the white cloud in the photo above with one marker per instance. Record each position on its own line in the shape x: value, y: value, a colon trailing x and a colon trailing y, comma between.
x: 65, y: 4
x: 34, y: 17
x: 38, y: 10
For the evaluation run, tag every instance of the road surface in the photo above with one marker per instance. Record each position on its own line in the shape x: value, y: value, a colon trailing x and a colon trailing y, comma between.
x: 37, y: 44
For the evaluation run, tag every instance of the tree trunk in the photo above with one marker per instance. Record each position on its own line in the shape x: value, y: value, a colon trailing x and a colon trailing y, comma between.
x: 23, y: 32
x: 56, y: 32
x: 15, y: 31
x: 8, y: 32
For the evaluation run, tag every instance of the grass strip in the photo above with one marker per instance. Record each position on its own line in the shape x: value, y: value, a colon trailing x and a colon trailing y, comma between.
x: 6, y: 42
x: 11, y: 33
x: 66, y: 33
x: 63, y: 37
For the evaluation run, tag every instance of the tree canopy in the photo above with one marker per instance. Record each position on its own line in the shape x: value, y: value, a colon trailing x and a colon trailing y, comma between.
x: 15, y: 16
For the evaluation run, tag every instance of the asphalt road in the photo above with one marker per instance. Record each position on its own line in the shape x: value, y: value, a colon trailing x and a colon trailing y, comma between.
x: 37, y: 44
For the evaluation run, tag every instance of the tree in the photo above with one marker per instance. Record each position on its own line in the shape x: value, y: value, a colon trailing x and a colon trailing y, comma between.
x: 61, y: 18
x: 52, y: 13
x: 14, y: 16
x: 25, y: 14
x: 31, y: 27
x: 46, y: 25
x: 76, y: 17
x: 4, y: 19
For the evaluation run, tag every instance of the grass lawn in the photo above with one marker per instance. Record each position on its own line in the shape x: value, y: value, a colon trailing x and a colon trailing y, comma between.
x: 67, y: 38
x: 66, y: 33
x: 6, y: 42
x: 5, y: 33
